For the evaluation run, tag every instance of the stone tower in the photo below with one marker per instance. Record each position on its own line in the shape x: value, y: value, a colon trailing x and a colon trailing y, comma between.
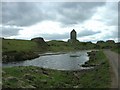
x: 73, y: 35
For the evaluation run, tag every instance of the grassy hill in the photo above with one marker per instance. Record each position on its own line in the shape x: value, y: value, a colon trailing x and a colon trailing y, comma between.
x: 59, y: 46
x: 117, y: 48
x: 66, y: 46
x: 20, y: 45
x: 17, y: 50
x: 109, y: 44
x: 53, y: 45
x: 17, y: 45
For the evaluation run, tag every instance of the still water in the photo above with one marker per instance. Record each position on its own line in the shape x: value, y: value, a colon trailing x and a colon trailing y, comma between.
x: 67, y: 61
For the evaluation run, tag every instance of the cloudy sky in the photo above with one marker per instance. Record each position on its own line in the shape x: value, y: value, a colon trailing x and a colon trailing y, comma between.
x: 93, y: 21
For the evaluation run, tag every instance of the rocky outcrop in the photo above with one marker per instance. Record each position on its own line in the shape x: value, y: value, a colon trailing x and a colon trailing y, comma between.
x: 41, y: 43
x: 39, y: 40
x: 92, y: 58
x: 110, y: 41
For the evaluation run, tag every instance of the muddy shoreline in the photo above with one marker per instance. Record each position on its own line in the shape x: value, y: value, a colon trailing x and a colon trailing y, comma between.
x: 12, y: 56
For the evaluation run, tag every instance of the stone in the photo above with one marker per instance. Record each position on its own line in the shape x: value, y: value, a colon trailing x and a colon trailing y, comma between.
x: 29, y: 77
x: 73, y: 37
x: 44, y: 81
x: 3, y: 72
x: 76, y: 86
x: 110, y: 41
x: 12, y: 79
x: 29, y: 86
x: 41, y: 43
x: 45, y: 72
x: 76, y: 75
x: 39, y: 40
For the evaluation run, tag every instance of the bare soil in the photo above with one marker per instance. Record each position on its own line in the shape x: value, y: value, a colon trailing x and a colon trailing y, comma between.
x: 113, y: 60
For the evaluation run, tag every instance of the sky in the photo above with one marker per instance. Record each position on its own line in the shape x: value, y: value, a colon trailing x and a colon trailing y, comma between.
x: 93, y: 21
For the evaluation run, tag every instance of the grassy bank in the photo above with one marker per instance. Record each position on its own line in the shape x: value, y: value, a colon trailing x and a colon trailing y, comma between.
x: 19, y: 45
x: 57, y: 46
x: 19, y: 50
x: 100, y: 75
x: 35, y: 77
x: 117, y: 50
x: 54, y: 45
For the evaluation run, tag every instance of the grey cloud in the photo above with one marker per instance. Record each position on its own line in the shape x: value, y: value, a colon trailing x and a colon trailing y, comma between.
x: 111, y: 14
x: 85, y: 5
x: 55, y: 36
x: 74, y: 12
x: 111, y: 35
x: 29, y: 13
x: 24, y: 13
x: 87, y: 33
x: 9, y: 31
x: 20, y: 14
x: 112, y: 17
x: 119, y: 14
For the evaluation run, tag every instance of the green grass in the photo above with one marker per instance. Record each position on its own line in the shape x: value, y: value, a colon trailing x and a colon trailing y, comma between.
x: 38, y: 78
x: 106, y: 45
x: 98, y: 58
x: 117, y: 50
x: 18, y: 45
x: 57, y: 46
x: 29, y: 76
x: 66, y: 46
x: 54, y: 45
x: 100, y: 77
x: 19, y: 50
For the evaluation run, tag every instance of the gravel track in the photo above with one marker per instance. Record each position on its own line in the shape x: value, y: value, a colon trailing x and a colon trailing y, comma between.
x: 113, y: 60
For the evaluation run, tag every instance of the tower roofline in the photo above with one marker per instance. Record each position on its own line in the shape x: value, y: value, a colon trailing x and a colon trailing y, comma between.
x: 73, y: 30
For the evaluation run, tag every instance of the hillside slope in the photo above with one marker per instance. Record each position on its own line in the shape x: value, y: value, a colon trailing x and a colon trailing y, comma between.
x: 20, y: 45
x: 18, y: 50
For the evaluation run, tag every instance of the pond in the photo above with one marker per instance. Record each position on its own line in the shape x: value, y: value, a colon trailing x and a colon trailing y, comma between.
x: 65, y: 61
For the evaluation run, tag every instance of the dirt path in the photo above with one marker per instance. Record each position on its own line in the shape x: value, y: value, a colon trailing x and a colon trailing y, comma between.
x: 113, y: 59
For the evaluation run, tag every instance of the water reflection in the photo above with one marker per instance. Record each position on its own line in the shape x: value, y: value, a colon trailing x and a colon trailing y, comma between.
x: 59, y: 62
